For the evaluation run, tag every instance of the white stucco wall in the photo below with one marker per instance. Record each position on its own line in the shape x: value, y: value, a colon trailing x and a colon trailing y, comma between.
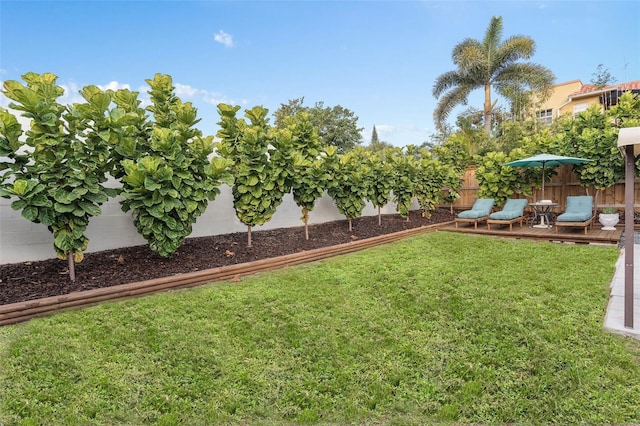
x: 22, y: 240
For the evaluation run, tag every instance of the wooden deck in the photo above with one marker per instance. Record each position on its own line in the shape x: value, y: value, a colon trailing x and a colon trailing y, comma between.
x: 595, y: 235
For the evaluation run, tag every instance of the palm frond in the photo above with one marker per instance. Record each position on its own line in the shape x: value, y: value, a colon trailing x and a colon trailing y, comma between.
x: 493, y: 35
x: 445, y: 81
x: 526, y: 75
x: 469, y: 53
x: 514, y: 49
x: 453, y: 98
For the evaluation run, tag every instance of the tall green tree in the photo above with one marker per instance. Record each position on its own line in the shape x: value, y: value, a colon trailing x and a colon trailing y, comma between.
x: 594, y: 135
x: 432, y: 178
x: 405, y: 166
x: 58, y: 172
x: 381, y: 179
x: 376, y: 144
x: 350, y: 182
x: 495, y: 180
x: 258, y: 157
x: 290, y: 109
x: 167, y: 176
x: 374, y: 136
x: 308, y: 178
x: 337, y: 126
x: 602, y: 77
x: 489, y: 64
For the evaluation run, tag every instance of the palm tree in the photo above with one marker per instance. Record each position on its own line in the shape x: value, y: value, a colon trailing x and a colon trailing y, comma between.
x: 486, y: 64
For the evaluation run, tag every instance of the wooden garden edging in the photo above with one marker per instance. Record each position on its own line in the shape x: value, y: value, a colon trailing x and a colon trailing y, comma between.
x: 23, y: 311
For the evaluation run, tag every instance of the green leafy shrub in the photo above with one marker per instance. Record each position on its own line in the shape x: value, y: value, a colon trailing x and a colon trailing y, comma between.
x: 308, y: 178
x: 381, y: 179
x: 592, y: 135
x: 405, y: 169
x: 350, y: 182
x: 431, y: 178
x: 58, y: 173
x: 495, y: 180
x: 168, y: 178
x: 256, y: 155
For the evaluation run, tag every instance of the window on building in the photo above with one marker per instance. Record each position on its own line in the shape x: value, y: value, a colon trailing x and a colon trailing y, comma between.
x: 578, y: 108
x: 609, y: 99
x: 546, y: 116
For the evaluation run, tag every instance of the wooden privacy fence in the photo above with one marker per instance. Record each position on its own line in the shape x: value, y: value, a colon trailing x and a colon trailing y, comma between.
x: 564, y: 184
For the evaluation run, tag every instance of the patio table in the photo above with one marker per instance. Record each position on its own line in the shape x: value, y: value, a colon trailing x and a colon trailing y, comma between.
x: 542, y: 210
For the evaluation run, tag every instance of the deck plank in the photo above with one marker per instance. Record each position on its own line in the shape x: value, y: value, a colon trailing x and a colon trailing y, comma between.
x: 595, y: 235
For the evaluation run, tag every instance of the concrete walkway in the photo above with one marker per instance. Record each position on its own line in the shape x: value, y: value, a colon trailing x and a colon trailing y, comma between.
x: 614, y: 318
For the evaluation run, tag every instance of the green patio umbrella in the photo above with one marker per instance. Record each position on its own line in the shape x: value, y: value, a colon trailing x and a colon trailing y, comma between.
x: 546, y: 160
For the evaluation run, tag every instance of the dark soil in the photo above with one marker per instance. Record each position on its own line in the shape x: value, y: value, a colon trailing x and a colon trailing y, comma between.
x: 33, y: 280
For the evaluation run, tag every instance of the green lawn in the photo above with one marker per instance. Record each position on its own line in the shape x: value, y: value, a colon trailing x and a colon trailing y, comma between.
x: 441, y: 327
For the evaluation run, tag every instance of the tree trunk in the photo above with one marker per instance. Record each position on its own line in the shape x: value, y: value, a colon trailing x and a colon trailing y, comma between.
x: 487, y: 108
x: 379, y: 217
x: 249, y: 236
x: 305, y: 217
x: 72, y: 266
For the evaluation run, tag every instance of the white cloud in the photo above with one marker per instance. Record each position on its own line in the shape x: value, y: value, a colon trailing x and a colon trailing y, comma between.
x: 114, y: 85
x: 215, y: 99
x: 224, y: 38
x: 185, y: 90
x: 191, y: 93
x: 4, y: 101
x: 384, y: 130
x: 71, y: 94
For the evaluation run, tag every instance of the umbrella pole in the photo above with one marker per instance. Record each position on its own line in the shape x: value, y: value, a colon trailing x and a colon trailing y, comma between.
x: 543, y: 181
x: 543, y: 223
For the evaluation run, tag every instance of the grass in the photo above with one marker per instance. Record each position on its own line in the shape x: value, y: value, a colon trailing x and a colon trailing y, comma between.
x: 437, y: 328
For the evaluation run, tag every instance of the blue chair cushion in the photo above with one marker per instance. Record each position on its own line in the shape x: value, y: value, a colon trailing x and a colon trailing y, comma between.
x: 573, y: 217
x: 482, y: 207
x: 513, y: 208
x: 579, y: 209
x: 471, y: 214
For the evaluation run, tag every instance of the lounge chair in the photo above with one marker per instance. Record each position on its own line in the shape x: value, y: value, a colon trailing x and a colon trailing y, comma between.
x: 579, y: 213
x: 478, y: 213
x: 512, y: 212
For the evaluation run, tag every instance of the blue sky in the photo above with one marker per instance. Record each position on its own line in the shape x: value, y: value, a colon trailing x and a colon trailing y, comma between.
x: 377, y: 58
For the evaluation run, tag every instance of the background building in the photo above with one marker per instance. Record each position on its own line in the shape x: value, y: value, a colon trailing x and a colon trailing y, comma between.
x: 574, y: 97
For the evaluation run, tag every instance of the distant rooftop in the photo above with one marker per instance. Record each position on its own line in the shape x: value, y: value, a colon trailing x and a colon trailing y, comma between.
x: 623, y: 87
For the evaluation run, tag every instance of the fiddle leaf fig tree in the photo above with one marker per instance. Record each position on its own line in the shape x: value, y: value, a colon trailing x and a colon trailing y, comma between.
x: 259, y: 171
x: 495, y: 180
x: 168, y: 179
x: 350, y: 182
x: 58, y: 173
x: 130, y: 137
x: 594, y: 136
x: 308, y: 179
x: 381, y: 179
x: 627, y: 111
x: 405, y: 168
x: 431, y: 179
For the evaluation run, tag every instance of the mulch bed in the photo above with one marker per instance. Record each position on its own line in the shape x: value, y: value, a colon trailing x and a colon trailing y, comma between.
x: 33, y: 280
